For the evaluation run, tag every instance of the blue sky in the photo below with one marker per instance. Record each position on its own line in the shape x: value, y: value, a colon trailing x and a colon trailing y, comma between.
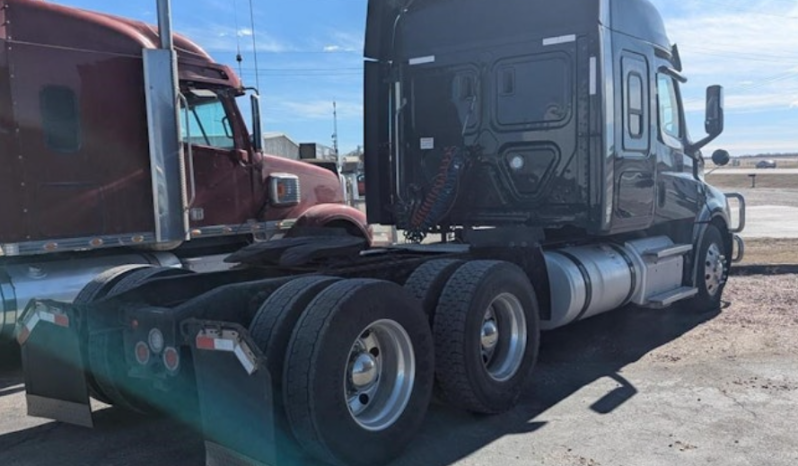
x: 310, y: 55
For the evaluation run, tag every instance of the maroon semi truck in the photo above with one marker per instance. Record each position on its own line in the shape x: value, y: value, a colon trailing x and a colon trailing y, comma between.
x: 88, y: 136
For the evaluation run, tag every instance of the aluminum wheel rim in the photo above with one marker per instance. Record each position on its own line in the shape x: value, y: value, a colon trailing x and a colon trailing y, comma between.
x: 713, y: 271
x: 503, y: 353
x: 379, y: 375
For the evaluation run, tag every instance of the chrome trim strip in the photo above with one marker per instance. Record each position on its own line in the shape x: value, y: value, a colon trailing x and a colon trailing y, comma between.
x: 608, y: 110
x: 559, y: 40
x: 136, y: 239
x: 88, y: 243
x: 255, y: 229
x: 397, y: 114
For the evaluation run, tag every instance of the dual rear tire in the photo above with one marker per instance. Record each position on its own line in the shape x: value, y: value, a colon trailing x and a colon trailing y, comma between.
x: 356, y: 375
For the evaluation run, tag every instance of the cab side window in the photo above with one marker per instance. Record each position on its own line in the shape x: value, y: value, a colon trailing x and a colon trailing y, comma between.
x: 60, y: 118
x: 208, y: 123
x: 670, y: 119
x: 636, y: 105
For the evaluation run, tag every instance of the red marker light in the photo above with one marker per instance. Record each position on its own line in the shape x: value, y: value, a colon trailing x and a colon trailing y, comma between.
x: 171, y: 359
x: 206, y: 343
x: 61, y: 320
x: 142, y: 353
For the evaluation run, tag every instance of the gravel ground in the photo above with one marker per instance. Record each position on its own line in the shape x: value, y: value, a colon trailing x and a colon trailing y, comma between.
x: 634, y: 387
x: 760, y: 319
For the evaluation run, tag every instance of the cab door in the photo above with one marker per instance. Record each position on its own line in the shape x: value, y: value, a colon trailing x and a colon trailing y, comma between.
x: 225, y: 193
x: 635, y: 173
x: 679, y: 193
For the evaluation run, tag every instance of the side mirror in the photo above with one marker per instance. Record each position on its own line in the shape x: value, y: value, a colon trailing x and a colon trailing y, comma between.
x: 715, y: 118
x: 714, y: 122
x: 257, y: 131
x: 721, y: 158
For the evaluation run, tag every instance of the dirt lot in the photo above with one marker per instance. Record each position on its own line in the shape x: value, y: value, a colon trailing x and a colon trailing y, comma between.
x: 630, y: 388
x: 771, y: 251
x: 765, y: 181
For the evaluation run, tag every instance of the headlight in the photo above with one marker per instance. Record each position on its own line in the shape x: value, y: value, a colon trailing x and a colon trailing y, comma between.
x: 284, y: 189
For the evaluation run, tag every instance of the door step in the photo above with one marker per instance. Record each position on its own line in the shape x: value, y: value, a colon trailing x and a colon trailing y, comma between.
x: 666, y: 299
x: 668, y: 251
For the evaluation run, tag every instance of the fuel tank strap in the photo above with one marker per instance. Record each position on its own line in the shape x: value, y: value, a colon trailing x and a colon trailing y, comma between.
x: 632, y: 270
x: 588, y: 282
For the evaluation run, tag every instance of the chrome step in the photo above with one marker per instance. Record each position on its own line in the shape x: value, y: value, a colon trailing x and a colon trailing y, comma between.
x: 669, y: 251
x: 673, y: 296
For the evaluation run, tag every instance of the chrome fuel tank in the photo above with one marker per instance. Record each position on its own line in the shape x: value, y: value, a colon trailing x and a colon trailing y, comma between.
x: 59, y: 280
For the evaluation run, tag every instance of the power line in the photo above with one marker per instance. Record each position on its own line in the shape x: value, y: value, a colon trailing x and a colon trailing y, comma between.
x: 755, y: 85
x: 352, y: 68
x: 756, y: 59
x: 748, y: 11
x: 254, y: 43
x: 739, y: 53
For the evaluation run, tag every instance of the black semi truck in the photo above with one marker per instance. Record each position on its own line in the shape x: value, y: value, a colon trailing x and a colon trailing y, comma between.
x: 535, y: 154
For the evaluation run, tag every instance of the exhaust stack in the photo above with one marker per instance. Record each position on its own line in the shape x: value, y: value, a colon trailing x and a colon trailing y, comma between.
x: 166, y: 149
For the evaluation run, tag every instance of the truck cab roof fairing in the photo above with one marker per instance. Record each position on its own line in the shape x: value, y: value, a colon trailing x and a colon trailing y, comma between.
x: 51, y: 25
x: 637, y: 18
x: 640, y: 19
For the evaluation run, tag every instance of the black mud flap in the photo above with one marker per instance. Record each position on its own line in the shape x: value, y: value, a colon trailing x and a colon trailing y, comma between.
x: 235, y: 395
x: 52, y: 360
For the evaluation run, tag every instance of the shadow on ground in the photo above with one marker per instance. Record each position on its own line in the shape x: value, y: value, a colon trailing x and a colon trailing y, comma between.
x: 10, y: 372
x: 570, y: 359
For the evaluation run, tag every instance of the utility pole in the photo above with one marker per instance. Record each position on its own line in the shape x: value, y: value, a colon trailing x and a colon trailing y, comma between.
x: 335, y: 136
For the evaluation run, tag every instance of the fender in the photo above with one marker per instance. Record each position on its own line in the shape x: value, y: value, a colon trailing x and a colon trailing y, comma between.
x: 324, y: 214
x: 716, y: 209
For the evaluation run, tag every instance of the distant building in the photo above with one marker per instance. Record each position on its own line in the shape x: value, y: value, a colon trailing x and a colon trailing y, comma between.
x: 281, y: 145
x: 316, y: 151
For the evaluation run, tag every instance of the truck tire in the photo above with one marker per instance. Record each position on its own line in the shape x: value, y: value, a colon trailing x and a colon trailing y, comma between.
x: 487, y: 333
x: 106, y: 357
x: 358, y: 373
x: 96, y: 290
x: 712, y: 271
x: 426, y: 283
x: 271, y: 330
x: 275, y: 321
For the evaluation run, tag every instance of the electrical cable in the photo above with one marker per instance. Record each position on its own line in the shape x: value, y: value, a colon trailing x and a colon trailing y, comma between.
x: 440, y: 198
x: 254, y: 44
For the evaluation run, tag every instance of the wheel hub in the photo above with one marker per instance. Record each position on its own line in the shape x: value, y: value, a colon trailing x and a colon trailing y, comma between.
x: 379, y: 375
x: 503, y: 337
x: 490, y: 335
x: 364, y: 371
x: 714, y: 269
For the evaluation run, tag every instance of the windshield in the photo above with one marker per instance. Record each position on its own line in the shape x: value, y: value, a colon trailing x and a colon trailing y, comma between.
x: 206, y: 123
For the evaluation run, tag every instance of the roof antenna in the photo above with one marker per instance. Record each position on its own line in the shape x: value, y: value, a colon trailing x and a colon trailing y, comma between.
x: 239, y: 58
x: 254, y: 44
